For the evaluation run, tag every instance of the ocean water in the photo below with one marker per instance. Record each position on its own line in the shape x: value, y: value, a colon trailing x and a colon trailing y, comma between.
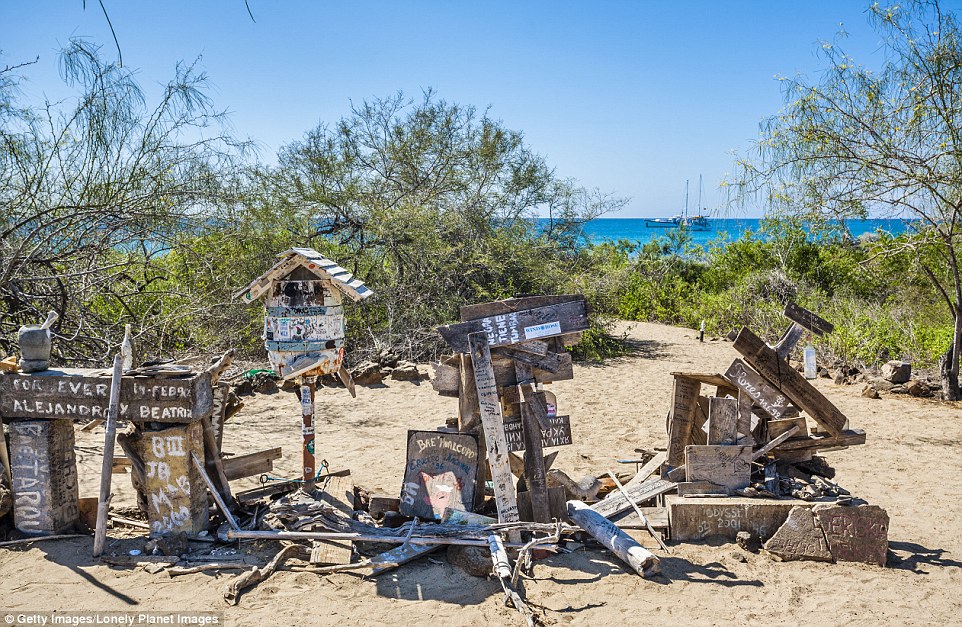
x: 722, y: 229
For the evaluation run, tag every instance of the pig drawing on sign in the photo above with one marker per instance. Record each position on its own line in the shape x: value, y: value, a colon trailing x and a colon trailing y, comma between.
x: 441, y: 491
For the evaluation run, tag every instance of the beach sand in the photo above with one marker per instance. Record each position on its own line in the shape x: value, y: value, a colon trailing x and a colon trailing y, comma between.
x: 911, y: 465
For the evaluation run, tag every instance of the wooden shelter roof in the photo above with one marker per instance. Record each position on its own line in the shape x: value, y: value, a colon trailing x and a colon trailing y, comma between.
x: 316, y: 263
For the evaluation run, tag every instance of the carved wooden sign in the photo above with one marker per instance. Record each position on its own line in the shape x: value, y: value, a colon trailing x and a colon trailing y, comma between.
x: 71, y: 394
x: 440, y: 473
x: 520, y: 326
x: 770, y: 400
x: 558, y: 433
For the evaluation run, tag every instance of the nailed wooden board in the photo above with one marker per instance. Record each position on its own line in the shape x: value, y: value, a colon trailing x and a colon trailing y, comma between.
x: 849, y: 437
x: 778, y: 427
x: 768, y: 399
x: 722, y: 420
x: 708, y: 378
x: 808, y: 320
x: 781, y: 375
x: 615, y: 502
x: 339, y: 494
x: 241, y: 466
x: 440, y: 472
x: 558, y: 433
x: 657, y: 517
x: 494, y: 439
x: 653, y: 465
x: 682, y: 416
x: 520, y: 326
x: 508, y: 305
x: 72, y: 394
x: 726, y: 466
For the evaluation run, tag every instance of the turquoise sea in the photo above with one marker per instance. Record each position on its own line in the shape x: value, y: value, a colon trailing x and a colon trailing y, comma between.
x: 730, y: 229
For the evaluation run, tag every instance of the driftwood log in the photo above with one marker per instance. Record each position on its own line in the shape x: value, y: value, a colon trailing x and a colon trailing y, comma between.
x: 614, y: 539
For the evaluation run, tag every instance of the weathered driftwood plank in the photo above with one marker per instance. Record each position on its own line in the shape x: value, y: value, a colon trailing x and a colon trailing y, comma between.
x: 509, y: 305
x: 808, y: 320
x: 491, y: 421
x: 778, y: 427
x: 744, y: 427
x: 768, y: 399
x: 44, y: 471
x: 550, y: 362
x: 615, y: 502
x: 614, y: 539
x: 727, y: 466
x: 72, y: 394
x: 339, y: 494
x: 447, y: 379
x: 722, y: 420
x: 558, y: 433
x: 241, y: 466
x: 780, y: 374
x: 107, y: 469
x: 534, y: 470
x: 707, y: 378
x: 682, y: 416
x: 520, y: 326
x: 517, y: 464
x: 849, y: 437
x: 775, y: 442
x: 653, y: 465
x: 788, y: 340
x: 469, y: 414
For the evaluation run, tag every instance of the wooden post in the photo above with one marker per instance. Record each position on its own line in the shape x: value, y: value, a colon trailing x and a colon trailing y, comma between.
x: 683, y: 408
x: 745, y: 418
x: 107, y: 469
x: 214, y: 463
x: 494, y: 439
x: 535, y: 475
x: 307, y: 430
x: 615, y: 540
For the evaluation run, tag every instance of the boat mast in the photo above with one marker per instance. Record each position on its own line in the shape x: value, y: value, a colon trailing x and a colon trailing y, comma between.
x: 699, y: 196
x: 685, y: 221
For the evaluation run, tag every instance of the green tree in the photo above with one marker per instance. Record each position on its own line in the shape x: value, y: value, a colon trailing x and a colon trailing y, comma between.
x: 886, y: 141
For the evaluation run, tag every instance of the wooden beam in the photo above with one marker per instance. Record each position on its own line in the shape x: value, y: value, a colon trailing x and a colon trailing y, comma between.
x: 849, y: 437
x: 775, y: 442
x: 615, y: 502
x: 780, y: 374
x: 682, y: 416
x: 534, y: 470
x: 491, y: 421
x: 722, y: 420
x: 107, y: 469
x: 646, y: 471
x: 509, y: 305
x: 769, y: 399
x: 520, y: 326
x: 808, y: 320
x: 241, y: 466
x: 789, y: 339
x: 614, y: 539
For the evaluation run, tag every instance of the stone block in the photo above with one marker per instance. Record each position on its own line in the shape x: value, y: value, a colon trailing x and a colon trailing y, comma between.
x: 855, y: 534
x: 799, y: 538
x: 696, y: 519
x: 44, y: 472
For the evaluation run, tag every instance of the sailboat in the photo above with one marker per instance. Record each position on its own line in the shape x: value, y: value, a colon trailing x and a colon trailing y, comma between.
x: 699, y: 222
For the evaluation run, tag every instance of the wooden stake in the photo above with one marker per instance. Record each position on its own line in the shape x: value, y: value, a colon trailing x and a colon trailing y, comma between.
x: 641, y: 516
x: 213, y: 461
x: 213, y: 491
x: 107, y: 470
x: 307, y: 430
x: 493, y: 423
x: 781, y: 438
x: 535, y: 475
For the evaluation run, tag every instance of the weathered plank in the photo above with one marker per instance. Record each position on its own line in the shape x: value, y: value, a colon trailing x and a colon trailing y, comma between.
x: 44, y: 471
x: 788, y: 340
x: 707, y: 378
x: 615, y: 502
x: 491, y: 421
x: 534, y: 471
x: 778, y: 427
x: 446, y: 380
x: 849, y: 437
x: 241, y: 466
x: 339, y: 494
x: 509, y: 305
x: 808, y: 320
x: 440, y: 472
x: 551, y: 362
x: 744, y: 427
x: 520, y: 326
x: 73, y: 394
x: 558, y: 433
x: 727, y: 466
x: 722, y: 420
x: 768, y: 399
x: 469, y: 414
x: 785, y: 435
x: 781, y: 375
x: 683, y: 408
x: 653, y: 465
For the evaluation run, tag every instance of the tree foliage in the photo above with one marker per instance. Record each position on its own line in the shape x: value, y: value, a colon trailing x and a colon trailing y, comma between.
x: 885, y: 141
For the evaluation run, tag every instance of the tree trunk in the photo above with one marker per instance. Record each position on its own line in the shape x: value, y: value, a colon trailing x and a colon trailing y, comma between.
x: 949, y: 366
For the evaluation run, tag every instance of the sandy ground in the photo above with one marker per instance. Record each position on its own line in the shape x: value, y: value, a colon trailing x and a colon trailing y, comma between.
x: 911, y: 465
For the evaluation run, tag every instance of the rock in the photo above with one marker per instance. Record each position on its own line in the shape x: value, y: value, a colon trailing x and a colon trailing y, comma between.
x: 816, y: 466
x: 474, y: 560
x: 897, y: 371
x: 880, y: 384
x: 799, y: 538
x: 917, y: 388
x: 406, y: 371
x: 823, y: 373
x: 387, y: 359
x: 840, y: 378
x: 244, y: 388
x: 855, y: 534
x: 367, y: 373
x: 869, y: 391
x: 898, y: 389
x: 290, y: 385
x: 748, y: 541
x: 174, y: 545
x: 266, y: 385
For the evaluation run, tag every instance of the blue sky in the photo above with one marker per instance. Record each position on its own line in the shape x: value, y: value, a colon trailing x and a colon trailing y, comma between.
x: 630, y: 97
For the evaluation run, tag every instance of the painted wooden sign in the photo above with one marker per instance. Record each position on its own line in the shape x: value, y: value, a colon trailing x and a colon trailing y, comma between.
x: 520, y: 326
x: 440, y: 473
x: 44, y: 473
x: 724, y: 466
x: 72, y: 394
x: 782, y: 376
x: 176, y: 492
x: 558, y: 433
x: 294, y: 328
x: 769, y: 399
